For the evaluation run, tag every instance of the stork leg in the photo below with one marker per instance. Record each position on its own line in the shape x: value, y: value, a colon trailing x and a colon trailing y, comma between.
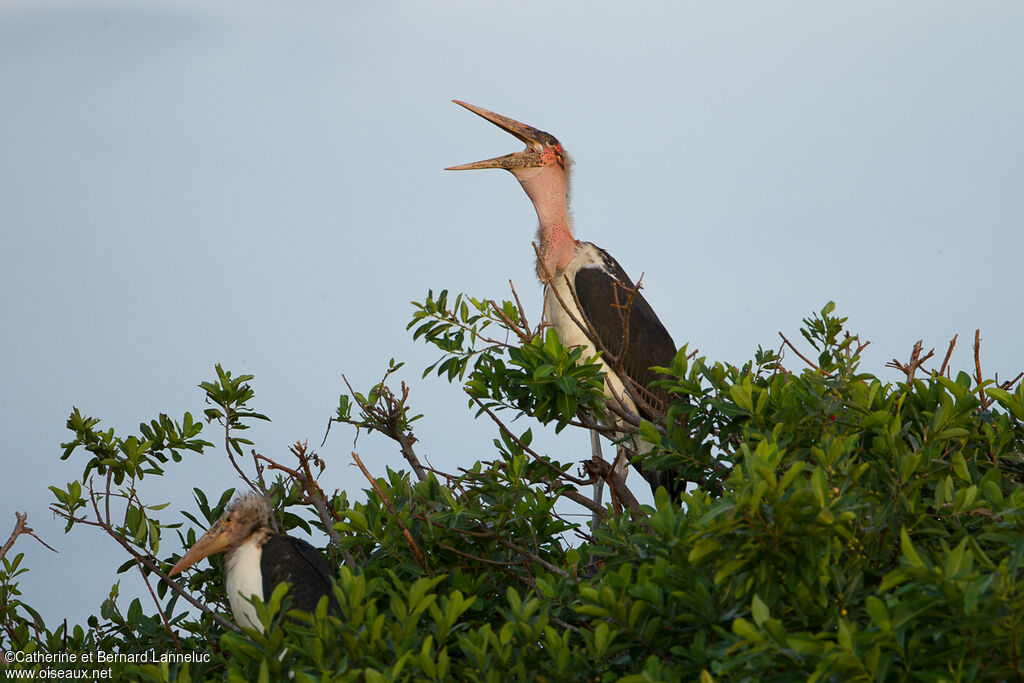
x: 595, y: 447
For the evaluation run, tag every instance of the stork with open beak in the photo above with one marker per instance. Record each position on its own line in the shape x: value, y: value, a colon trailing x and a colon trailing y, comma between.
x: 258, y: 559
x: 607, y: 296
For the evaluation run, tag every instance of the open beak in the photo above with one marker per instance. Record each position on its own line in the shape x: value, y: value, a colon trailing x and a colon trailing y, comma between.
x: 536, y: 141
x: 213, y: 541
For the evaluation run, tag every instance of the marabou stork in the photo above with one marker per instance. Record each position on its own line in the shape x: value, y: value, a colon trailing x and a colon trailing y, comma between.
x: 258, y: 559
x: 607, y: 296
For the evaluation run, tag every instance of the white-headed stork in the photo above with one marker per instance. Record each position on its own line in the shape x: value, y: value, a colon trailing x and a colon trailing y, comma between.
x: 258, y: 559
x: 607, y: 296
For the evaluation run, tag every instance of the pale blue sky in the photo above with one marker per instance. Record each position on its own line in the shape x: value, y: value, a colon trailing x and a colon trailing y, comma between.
x: 259, y: 184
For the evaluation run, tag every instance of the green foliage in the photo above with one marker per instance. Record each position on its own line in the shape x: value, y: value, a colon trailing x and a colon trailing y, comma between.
x: 843, y: 528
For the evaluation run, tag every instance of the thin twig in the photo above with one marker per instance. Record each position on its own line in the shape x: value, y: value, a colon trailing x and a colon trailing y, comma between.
x: 949, y: 352
x: 536, y: 456
x: 508, y: 322
x: 519, y: 305
x: 1006, y: 386
x: 985, y: 400
x: 231, y: 456
x: 503, y: 563
x: 624, y: 317
x: 313, y: 494
x: 526, y: 553
x: 417, y: 553
x: 599, y: 467
x: 150, y: 564
x: 585, y: 325
x: 802, y: 356
x: 20, y: 527
x: 386, y: 420
x: 159, y: 608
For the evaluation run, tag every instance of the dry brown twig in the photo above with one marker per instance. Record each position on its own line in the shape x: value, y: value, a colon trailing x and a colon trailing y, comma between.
x: 944, y: 368
x: 915, y: 362
x: 519, y: 305
x: 1007, y: 385
x: 388, y: 419
x: 533, y: 557
x: 625, y: 312
x: 599, y: 467
x: 20, y: 527
x: 417, y: 553
x: 985, y: 400
x: 860, y: 346
x: 312, y: 493
x: 804, y: 358
x: 522, y: 329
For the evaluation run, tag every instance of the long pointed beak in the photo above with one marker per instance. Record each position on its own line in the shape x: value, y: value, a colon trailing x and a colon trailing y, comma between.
x: 213, y: 541
x: 535, y: 140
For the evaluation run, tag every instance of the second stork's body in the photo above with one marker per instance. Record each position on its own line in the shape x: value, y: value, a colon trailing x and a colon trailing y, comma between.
x: 571, y: 270
x: 258, y: 559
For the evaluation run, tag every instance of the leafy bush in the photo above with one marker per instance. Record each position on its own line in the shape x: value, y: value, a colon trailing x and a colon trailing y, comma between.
x: 838, y: 528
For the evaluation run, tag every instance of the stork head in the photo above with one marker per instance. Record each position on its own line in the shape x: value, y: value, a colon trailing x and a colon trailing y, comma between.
x: 245, y: 515
x: 543, y: 171
x: 542, y: 149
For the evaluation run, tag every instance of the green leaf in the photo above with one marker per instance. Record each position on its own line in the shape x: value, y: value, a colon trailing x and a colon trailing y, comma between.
x: 759, y: 610
x: 878, y: 612
x: 909, y: 552
x: 745, y: 630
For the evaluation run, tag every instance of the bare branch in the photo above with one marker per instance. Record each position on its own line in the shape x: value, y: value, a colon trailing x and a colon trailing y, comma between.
x: 417, y: 553
x: 20, y: 527
x: 387, y: 419
x: 313, y: 494
x: 916, y: 360
x: 519, y: 305
x: 1006, y: 386
x: 985, y: 400
x: 522, y: 329
x: 804, y: 358
x: 949, y: 352
x: 159, y: 608
x: 143, y: 559
x: 559, y: 473
x: 490, y: 533
x: 599, y: 467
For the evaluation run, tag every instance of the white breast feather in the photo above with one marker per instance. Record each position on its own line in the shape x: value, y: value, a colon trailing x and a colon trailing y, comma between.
x: 244, y: 580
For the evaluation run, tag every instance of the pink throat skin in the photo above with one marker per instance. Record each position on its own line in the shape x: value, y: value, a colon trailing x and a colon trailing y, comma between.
x: 546, y: 186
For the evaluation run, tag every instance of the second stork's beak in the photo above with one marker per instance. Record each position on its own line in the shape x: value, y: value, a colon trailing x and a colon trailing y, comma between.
x: 213, y: 541
x: 537, y: 141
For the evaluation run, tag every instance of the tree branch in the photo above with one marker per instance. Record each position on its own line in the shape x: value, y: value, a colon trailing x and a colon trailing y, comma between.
x: 20, y: 527
x: 417, y: 553
x: 145, y: 560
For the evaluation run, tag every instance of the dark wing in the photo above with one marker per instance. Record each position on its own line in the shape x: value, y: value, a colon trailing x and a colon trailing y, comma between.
x: 293, y: 560
x: 608, y: 298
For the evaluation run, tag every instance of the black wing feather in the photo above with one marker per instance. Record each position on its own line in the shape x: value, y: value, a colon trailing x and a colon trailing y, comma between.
x: 604, y: 295
x: 293, y: 560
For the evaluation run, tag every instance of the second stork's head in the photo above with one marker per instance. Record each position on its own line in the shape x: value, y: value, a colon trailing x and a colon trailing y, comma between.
x: 543, y: 171
x: 244, y: 517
